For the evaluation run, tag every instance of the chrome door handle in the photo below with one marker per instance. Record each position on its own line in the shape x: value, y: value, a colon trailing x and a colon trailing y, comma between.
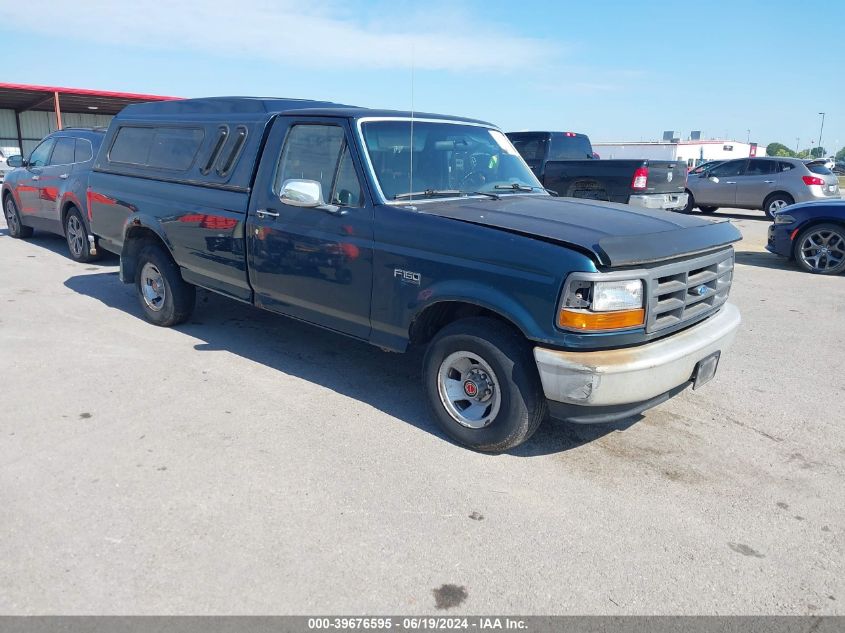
x: 36, y: 177
x: 63, y: 176
x: 769, y: 182
x: 266, y: 213
x: 730, y: 182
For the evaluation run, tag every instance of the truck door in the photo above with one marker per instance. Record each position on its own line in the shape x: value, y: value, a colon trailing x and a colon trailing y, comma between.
x: 756, y: 183
x: 313, y: 263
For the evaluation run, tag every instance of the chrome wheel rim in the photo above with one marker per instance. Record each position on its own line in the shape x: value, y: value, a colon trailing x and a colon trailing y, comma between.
x: 152, y: 287
x: 469, y: 389
x: 75, y: 236
x: 777, y: 205
x: 11, y: 216
x: 822, y: 250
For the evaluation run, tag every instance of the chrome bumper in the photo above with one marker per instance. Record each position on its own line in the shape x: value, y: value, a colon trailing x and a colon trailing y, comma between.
x: 634, y: 374
x: 659, y: 200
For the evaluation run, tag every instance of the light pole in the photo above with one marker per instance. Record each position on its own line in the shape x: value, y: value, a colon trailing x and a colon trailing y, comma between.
x: 820, y: 134
x: 797, y: 145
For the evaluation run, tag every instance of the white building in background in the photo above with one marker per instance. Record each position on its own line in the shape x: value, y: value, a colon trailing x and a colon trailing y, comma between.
x: 691, y: 152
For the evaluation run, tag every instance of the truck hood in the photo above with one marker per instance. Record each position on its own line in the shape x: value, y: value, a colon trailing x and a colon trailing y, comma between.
x: 614, y: 234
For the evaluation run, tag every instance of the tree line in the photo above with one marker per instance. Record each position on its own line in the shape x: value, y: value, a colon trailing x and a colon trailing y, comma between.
x: 779, y: 149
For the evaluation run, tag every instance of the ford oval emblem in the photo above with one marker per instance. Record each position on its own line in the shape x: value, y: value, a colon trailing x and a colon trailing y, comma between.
x: 701, y: 291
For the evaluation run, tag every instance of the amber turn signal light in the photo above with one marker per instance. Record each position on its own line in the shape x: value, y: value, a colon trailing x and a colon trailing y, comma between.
x: 583, y: 320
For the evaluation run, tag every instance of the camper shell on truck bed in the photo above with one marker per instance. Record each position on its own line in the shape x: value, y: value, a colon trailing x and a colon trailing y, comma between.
x: 417, y: 230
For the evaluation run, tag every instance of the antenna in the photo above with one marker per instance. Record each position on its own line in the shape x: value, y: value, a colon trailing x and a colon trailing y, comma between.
x: 411, y: 172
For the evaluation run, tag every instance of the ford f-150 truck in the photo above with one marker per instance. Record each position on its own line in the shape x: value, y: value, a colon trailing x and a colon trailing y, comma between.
x: 565, y: 163
x: 420, y: 230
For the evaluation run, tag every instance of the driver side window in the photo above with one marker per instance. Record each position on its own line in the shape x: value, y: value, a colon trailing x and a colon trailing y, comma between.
x: 41, y: 154
x: 731, y: 168
x: 320, y: 152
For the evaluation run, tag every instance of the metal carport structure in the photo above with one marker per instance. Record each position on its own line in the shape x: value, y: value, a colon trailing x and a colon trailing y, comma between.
x: 28, y: 113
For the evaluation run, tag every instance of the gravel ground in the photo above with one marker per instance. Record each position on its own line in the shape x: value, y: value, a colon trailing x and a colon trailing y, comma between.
x: 245, y: 463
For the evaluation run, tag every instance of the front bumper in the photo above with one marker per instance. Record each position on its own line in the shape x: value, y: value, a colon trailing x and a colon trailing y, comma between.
x: 621, y: 378
x: 667, y: 201
x: 780, y: 242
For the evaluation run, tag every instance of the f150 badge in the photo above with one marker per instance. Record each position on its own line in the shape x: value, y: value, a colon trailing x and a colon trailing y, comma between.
x: 407, y: 276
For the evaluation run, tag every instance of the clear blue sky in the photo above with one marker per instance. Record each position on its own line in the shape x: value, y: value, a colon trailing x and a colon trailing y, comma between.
x: 615, y: 70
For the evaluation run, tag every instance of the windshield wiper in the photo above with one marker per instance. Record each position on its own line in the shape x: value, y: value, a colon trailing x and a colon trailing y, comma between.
x: 495, y: 196
x: 518, y: 186
x: 428, y: 193
x: 431, y: 193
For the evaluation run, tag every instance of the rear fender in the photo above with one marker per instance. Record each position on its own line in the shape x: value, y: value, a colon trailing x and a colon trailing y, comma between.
x: 136, y: 230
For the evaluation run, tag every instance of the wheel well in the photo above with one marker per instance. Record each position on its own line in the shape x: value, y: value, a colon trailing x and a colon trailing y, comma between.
x: 816, y: 221
x: 778, y: 193
x: 136, y: 238
x: 65, y: 209
x: 437, y: 316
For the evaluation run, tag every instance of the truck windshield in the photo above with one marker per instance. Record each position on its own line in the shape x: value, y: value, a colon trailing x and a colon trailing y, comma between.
x: 444, y: 157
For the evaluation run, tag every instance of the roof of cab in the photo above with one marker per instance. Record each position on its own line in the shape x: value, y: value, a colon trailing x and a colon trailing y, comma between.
x: 261, y: 108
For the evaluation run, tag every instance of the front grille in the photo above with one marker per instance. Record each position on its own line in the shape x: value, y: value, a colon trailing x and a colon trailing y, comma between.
x: 686, y: 290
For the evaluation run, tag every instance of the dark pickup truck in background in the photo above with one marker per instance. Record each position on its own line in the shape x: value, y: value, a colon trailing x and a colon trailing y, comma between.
x: 424, y: 231
x: 566, y: 164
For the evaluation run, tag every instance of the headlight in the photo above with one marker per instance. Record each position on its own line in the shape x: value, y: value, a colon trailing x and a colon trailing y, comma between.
x: 783, y: 218
x: 602, y: 305
x: 617, y: 295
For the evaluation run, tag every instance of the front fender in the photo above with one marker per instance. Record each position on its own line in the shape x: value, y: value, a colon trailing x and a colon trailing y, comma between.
x: 484, y: 296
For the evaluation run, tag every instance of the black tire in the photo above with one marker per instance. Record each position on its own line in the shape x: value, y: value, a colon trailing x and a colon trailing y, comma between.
x: 177, y: 301
x: 13, y: 220
x: 835, y: 234
x: 522, y: 403
x: 690, y: 202
x: 76, y: 236
x: 775, y: 202
x: 708, y: 210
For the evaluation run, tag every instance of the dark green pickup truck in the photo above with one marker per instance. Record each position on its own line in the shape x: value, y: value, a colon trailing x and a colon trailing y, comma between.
x: 421, y: 230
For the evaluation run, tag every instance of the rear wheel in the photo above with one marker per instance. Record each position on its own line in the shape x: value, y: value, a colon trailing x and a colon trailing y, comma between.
x: 482, y: 385
x: 13, y: 219
x: 820, y: 249
x: 708, y: 210
x: 164, y: 296
x: 776, y: 202
x: 77, y: 237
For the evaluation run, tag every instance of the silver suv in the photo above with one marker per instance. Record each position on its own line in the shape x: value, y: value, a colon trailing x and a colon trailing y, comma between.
x: 769, y: 184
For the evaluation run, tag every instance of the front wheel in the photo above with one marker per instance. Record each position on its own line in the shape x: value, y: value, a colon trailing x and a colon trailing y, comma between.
x: 776, y: 202
x: 13, y: 220
x: 820, y: 249
x: 482, y: 385
x: 164, y: 296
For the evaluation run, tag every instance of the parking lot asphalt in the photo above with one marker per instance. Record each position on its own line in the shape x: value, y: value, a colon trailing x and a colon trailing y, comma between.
x: 246, y: 463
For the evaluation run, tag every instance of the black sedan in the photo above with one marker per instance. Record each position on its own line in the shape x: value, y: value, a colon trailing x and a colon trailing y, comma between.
x: 813, y: 234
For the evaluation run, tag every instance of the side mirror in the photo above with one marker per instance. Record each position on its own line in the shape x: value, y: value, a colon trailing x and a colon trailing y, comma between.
x: 15, y: 161
x: 302, y: 193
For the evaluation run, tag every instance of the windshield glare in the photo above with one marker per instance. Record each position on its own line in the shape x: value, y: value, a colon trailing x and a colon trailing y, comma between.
x: 446, y: 157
